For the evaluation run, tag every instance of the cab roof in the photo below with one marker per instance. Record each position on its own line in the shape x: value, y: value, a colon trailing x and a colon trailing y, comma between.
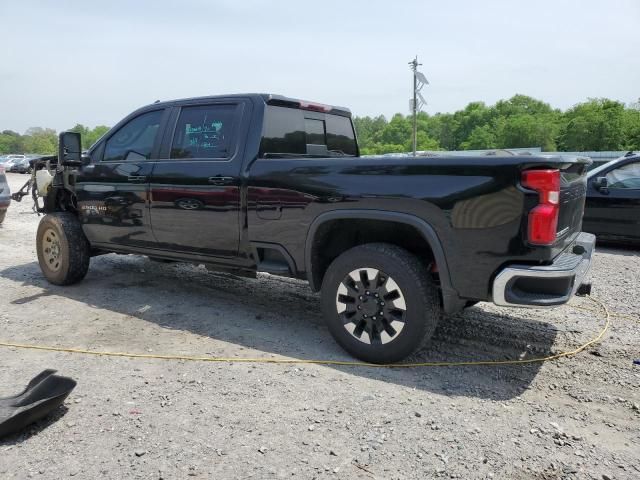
x: 268, y: 98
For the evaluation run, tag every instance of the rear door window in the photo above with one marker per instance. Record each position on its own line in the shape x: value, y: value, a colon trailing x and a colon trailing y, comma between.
x: 204, y: 131
x: 340, y: 135
x: 283, y: 132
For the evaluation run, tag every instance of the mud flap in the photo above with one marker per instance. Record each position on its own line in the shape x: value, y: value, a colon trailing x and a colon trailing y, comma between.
x: 43, y: 395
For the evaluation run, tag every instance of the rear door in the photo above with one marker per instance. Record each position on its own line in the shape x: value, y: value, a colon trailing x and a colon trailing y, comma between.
x: 113, y: 191
x: 195, y: 189
x: 614, y: 212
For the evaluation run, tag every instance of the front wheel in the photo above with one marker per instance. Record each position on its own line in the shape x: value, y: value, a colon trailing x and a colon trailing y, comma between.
x: 63, y: 249
x: 379, y: 302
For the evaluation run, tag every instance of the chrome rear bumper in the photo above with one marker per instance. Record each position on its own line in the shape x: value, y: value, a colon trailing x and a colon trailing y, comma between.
x: 548, y: 285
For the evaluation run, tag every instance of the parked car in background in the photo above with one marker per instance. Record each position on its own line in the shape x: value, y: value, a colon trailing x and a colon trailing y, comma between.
x: 5, y: 194
x: 21, y: 166
x: 612, y: 207
x: 10, y: 160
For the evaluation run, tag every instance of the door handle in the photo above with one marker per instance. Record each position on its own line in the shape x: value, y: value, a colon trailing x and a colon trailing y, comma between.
x: 220, y: 180
x: 137, y: 178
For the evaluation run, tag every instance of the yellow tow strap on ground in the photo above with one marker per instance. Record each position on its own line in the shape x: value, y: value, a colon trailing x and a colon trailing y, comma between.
x: 555, y: 356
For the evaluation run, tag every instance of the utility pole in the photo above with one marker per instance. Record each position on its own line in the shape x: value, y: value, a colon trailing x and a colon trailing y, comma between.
x: 419, y: 81
x: 414, y: 104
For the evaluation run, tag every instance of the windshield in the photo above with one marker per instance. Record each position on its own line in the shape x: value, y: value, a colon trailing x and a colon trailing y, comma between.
x: 604, y: 166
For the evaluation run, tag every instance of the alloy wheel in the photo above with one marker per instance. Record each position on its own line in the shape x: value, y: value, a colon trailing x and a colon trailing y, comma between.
x: 371, y: 306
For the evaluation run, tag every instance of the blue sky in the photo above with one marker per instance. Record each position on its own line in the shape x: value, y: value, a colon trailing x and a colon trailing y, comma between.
x: 69, y: 62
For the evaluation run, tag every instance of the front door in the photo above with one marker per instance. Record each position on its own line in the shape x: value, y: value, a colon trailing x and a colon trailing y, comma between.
x: 113, y: 191
x: 195, y: 192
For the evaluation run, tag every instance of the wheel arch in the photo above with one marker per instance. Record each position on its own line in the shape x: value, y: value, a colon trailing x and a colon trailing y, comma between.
x: 450, y: 298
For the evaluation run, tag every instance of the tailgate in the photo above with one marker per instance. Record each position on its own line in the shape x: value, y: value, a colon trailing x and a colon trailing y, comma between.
x: 573, y: 188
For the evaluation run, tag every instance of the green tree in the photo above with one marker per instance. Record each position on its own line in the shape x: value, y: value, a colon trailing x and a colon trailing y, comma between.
x: 94, y: 135
x: 596, y: 124
x: 40, y: 140
x: 367, y: 127
x: 521, y: 105
x: 631, y: 128
x: 482, y: 137
x: 442, y: 127
x: 89, y: 136
x: 396, y: 132
x: 11, y: 142
x: 475, y: 114
x: 424, y: 142
x: 525, y: 130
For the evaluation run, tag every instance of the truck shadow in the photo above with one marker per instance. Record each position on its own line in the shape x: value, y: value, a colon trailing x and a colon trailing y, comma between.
x: 281, y: 316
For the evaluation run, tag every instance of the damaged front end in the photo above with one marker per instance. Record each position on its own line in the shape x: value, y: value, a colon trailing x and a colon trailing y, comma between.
x: 53, y: 180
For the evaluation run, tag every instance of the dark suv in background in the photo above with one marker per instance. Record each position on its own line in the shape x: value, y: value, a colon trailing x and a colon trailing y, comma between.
x: 612, y: 208
x: 22, y: 165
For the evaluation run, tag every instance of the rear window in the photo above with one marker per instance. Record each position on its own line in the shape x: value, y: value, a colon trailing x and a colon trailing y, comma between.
x: 294, y: 132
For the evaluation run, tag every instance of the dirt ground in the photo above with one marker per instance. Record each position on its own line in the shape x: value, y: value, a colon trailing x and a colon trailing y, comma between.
x: 576, y: 417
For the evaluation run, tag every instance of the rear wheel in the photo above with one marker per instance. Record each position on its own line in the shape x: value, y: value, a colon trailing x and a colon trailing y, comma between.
x: 379, y: 302
x: 63, y: 250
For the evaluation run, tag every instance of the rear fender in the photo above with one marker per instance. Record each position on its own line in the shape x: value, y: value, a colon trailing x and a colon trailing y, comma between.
x: 450, y: 298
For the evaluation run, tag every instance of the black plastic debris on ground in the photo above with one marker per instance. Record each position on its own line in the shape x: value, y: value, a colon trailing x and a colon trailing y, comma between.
x: 43, y: 394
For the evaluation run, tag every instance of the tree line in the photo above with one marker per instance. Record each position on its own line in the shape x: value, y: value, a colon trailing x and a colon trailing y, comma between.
x: 521, y: 121
x: 45, y: 140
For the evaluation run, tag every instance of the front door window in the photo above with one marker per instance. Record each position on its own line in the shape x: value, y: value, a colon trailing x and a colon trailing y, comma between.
x: 626, y: 177
x: 134, y: 140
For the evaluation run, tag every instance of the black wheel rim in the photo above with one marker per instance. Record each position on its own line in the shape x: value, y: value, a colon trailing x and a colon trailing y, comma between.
x: 371, y: 306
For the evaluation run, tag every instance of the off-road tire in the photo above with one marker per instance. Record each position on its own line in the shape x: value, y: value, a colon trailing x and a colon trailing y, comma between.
x: 73, y: 248
x: 420, y: 295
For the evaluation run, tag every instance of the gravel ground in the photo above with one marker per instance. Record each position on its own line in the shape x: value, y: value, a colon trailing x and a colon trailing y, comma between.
x: 136, y: 418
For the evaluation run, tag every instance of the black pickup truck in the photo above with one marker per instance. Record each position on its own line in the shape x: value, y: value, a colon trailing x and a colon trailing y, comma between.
x: 256, y: 182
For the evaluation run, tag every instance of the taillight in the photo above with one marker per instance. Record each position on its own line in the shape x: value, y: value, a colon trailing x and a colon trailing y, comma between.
x: 543, y: 219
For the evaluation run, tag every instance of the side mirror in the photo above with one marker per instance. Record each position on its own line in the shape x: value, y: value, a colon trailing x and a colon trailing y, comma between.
x: 70, y: 149
x: 601, y: 183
